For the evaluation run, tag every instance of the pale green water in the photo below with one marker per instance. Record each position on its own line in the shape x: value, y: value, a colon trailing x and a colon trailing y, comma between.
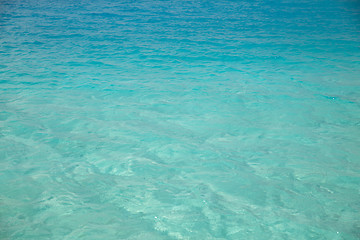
x: 179, y: 120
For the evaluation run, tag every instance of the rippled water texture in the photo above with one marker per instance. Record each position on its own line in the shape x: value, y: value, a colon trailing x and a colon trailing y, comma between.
x: 179, y: 119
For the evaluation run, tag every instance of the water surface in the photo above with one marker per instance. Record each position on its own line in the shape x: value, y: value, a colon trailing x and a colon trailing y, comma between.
x: 179, y: 119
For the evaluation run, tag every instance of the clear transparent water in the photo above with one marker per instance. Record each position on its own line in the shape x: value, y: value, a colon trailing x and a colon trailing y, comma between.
x: 179, y: 120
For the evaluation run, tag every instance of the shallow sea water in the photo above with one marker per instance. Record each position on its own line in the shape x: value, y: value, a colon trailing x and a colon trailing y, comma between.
x: 179, y: 119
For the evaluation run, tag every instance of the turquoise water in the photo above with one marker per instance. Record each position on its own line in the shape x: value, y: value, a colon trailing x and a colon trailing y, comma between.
x: 179, y: 119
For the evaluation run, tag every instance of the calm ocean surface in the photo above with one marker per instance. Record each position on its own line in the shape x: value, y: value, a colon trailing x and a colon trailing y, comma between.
x: 175, y: 119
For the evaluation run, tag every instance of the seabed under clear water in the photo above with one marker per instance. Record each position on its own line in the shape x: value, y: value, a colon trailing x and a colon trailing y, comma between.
x: 175, y: 119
